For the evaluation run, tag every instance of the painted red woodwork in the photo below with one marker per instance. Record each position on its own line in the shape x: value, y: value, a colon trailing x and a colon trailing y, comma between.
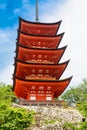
x: 39, y: 71
x: 39, y: 28
x: 44, y: 56
x: 26, y: 89
x: 39, y: 41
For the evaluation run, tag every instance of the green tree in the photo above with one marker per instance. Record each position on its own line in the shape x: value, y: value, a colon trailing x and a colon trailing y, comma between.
x: 78, y: 95
x: 12, y: 118
x: 6, y: 94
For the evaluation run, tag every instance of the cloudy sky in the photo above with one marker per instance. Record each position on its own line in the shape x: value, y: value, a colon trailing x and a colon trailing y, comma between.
x: 73, y: 14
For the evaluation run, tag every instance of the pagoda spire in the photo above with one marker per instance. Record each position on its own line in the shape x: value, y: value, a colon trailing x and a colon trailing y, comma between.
x: 37, y: 19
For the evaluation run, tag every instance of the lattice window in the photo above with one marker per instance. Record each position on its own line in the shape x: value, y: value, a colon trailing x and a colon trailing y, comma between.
x: 39, y: 56
x: 32, y: 98
x: 40, y: 71
x: 40, y: 92
x: 49, y: 98
x: 40, y: 75
x: 38, y: 43
x: 41, y: 87
x: 33, y: 70
x: 48, y: 88
x: 33, y: 87
x: 48, y: 91
x: 32, y: 91
x: 47, y: 71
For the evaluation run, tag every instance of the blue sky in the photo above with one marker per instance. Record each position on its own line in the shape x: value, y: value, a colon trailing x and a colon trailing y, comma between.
x: 73, y: 14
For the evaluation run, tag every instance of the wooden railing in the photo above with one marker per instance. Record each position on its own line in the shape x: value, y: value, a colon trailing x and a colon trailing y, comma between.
x: 40, y: 61
x: 41, y: 103
x: 40, y: 78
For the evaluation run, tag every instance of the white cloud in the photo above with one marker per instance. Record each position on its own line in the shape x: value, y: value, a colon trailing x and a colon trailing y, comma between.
x: 7, y: 39
x: 74, y: 24
x: 6, y: 75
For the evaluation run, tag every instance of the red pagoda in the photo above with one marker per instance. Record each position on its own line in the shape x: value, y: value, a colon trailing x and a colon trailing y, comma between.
x: 37, y: 69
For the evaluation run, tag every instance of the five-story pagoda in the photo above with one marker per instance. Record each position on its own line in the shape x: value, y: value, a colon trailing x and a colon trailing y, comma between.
x: 37, y: 69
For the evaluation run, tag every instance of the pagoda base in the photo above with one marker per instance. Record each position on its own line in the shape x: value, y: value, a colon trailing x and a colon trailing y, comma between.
x: 40, y: 102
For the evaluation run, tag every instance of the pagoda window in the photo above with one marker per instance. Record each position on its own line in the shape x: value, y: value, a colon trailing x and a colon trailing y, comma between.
x: 45, y: 61
x: 48, y: 91
x: 33, y: 56
x: 32, y: 98
x: 32, y: 91
x: 47, y: 71
x: 33, y: 60
x: 40, y: 71
x: 33, y: 95
x: 48, y: 95
x: 46, y: 75
x: 39, y: 56
x: 40, y: 92
x: 33, y: 87
x: 33, y: 75
x: 48, y: 88
x: 48, y: 98
x: 39, y: 60
x: 39, y: 43
x: 33, y: 70
x: 41, y: 87
x: 40, y: 75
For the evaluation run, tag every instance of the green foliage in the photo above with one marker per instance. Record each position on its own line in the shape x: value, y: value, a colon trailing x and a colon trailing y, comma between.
x: 50, y: 121
x: 6, y: 94
x: 12, y: 118
x: 15, y: 118
x: 67, y: 126
x: 83, y: 108
x: 72, y: 126
x: 78, y: 95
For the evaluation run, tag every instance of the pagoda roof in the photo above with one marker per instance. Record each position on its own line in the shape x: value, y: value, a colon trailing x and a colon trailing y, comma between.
x: 39, y: 41
x: 22, y: 87
x: 42, y: 71
x: 39, y: 28
x: 27, y: 54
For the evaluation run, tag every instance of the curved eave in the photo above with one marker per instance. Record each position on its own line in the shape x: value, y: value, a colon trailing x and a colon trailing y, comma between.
x: 40, y: 81
x: 56, y: 70
x: 59, y: 52
x: 48, y: 49
x: 42, y: 25
x: 55, y: 85
x: 29, y: 39
x: 37, y: 64
x: 21, y: 19
x: 19, y: 31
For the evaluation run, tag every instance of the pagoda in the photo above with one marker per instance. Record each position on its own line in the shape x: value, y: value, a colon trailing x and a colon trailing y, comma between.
x: 37, y: 70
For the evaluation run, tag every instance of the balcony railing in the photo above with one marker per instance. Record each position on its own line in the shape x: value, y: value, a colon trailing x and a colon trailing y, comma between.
x: 41, y: 103
x: 40, y: 78
x: 40, y: 61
